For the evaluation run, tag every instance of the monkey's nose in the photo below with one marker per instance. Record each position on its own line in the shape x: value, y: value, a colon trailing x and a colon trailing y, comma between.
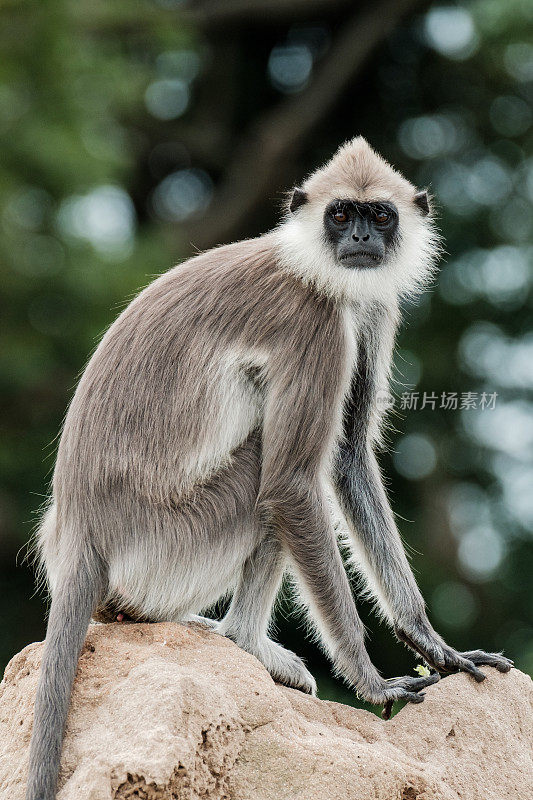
x: 364, y: 238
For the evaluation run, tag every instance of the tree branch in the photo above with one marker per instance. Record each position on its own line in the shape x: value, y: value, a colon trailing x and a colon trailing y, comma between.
x: 278, y: 135
x: 207, y: 13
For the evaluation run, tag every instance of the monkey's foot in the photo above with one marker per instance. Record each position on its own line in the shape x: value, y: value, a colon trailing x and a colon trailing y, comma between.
x: 405, y: 688
x: 204, y: 622
x: 440, y: 656
x: 284, y: 666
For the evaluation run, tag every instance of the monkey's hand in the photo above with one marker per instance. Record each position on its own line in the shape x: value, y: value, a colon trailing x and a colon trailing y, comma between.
x: 405, y: 688
x: 425, y: 641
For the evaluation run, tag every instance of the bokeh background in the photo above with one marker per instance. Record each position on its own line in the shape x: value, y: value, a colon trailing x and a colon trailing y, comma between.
x: 134, y: 132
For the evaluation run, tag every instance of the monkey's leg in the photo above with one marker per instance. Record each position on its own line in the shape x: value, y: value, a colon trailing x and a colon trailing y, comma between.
x: 367, y: 510
x: 248, y: 617
x: 298, y: 428
x: 301, y: 515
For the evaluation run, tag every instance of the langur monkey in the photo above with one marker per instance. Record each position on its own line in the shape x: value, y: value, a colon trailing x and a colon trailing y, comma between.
x: 222, y: 414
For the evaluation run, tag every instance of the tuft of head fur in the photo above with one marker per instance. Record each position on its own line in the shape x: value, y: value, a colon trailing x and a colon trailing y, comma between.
x: 356, y: 172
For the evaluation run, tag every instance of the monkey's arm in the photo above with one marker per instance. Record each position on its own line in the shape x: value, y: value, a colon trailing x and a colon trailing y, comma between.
x: 300, y: 415
x: 365, y: 504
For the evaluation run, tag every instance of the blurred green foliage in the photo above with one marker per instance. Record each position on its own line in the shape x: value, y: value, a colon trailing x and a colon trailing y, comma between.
x: 115, y: 136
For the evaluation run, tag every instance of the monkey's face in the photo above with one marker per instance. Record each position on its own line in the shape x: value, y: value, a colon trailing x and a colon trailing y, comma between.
x: 361, y: 234
x: 356, y: 228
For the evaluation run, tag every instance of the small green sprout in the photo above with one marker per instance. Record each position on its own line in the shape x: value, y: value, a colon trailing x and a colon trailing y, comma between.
x: 422, y: 670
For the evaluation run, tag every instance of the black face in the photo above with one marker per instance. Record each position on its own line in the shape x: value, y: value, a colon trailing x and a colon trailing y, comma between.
x: 361, y: 234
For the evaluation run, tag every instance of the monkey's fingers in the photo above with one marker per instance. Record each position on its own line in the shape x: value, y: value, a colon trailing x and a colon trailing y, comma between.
x: 407, y: 688
x: 465, y: 665
x: 497, y: 660
x: 411, y: 697
x: 456, y: 662
x: 446, y: 659
x: 413, y: 684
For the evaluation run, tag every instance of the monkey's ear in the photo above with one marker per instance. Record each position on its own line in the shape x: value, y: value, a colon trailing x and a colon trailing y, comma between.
x: 299, y: 198
x: 422, y: 201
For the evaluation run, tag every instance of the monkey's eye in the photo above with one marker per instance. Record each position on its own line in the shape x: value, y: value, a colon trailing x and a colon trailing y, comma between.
x: 382, y: 217
x: 340, y: 217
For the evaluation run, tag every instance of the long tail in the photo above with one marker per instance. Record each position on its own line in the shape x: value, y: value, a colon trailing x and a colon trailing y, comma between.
x: 73, y: 602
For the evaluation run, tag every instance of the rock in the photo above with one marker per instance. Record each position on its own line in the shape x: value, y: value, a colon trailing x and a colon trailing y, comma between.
x: 167, y: 712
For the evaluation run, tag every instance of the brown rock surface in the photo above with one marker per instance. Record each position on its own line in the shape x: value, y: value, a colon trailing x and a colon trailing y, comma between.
x: 166, y: 712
